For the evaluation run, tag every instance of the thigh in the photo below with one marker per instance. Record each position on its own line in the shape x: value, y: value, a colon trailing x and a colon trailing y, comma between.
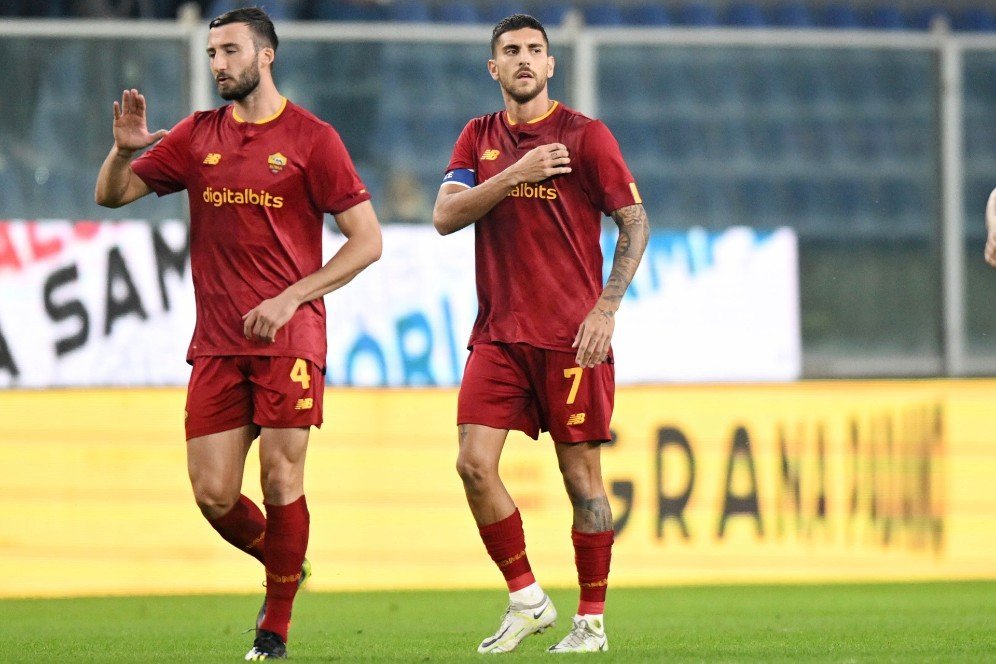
x: 495, y: 392
x: 219, y: 396
x: 216, y: 463
x: 287, y: 392
x: 577, y: 402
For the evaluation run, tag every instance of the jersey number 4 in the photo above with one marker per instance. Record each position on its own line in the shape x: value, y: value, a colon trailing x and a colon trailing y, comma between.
x: 299, y: 374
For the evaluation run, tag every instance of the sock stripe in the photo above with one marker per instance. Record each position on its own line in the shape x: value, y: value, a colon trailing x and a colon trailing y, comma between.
x: 509, y: 561
x: 258, y: 542
x: 283, y: 579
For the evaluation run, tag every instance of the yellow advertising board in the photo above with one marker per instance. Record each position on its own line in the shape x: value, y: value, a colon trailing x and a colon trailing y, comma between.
x: 807, y: 481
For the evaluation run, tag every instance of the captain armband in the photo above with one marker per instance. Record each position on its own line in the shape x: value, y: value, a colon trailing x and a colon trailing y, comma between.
x: 464, y: 176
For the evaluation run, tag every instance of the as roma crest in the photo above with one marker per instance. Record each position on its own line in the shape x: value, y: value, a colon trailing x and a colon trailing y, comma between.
x: 276, y: 162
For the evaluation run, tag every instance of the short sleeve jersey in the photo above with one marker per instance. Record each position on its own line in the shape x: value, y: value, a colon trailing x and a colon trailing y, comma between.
x: 538, y: 257
x: 258, y: 193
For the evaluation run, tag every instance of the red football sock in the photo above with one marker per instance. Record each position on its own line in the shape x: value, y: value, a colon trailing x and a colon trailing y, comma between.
x: 506, y: 544
x: 243, y: 527
x: 285, y: 544
x: 592, y: 554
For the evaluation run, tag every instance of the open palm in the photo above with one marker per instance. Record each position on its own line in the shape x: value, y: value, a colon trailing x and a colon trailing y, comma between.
x: 130, y: 129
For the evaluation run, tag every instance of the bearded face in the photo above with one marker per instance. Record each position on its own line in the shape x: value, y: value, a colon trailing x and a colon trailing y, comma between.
x: 241, y: 85
x: 521, y: 64
x: 524, y: 84
x: 235, y: 60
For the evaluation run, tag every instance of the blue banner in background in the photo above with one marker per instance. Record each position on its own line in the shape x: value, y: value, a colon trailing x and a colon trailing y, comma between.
x: 704, y: 306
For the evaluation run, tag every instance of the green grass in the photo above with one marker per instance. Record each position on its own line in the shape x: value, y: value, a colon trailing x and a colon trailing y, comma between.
x: 923, y: 622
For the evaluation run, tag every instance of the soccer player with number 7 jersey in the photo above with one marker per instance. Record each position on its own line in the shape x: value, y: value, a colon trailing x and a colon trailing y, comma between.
x: 260, y: 175
x: 535, y: 180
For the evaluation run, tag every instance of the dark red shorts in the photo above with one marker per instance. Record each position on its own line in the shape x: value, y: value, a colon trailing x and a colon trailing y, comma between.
x: 228, y: 392
x: 517, y: 386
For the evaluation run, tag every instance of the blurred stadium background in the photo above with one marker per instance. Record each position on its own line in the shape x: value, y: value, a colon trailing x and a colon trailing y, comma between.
x: 815, y: 173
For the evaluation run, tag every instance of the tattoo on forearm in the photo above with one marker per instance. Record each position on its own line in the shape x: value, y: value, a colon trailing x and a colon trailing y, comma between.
x: 634, y: 233
x: 592, y: 515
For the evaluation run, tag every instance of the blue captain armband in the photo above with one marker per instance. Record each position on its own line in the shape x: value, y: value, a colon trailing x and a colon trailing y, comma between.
x: 464, y: 176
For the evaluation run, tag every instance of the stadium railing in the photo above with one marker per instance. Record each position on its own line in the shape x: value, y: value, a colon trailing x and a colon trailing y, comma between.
x: 875, y: 146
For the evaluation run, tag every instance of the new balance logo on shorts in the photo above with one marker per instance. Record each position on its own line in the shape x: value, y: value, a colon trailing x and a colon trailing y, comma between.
x: 305, y: 404
x: 575, y: 418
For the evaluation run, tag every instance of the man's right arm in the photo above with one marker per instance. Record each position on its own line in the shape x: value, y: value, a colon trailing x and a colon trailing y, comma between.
x: 991, y: 229
x: 117, y: 183
x: 458, y: 206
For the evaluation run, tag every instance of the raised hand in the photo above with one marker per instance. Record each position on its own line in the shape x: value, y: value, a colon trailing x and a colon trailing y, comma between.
x: 130, y: 130
x: 543, y: 162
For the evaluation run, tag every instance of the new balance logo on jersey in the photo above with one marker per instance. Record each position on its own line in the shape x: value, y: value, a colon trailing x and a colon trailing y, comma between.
x: 526, y: 190
x: 212, y: 159
x: 490, y: 155
x: 304, y: 404
x: 574, y: 419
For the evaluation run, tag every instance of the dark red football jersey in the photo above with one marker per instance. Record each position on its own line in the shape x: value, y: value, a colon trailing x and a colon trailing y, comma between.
x: 539, y: 262
x: 258, y: 193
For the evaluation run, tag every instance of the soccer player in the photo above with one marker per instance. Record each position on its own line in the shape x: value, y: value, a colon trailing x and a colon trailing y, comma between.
x: 535, y: 180
x: 990, y: 252
x: 260, y: 173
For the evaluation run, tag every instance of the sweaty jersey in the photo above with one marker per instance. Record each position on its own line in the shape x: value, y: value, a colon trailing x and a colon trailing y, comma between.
x: 538, y: 258
x: 258, y: 193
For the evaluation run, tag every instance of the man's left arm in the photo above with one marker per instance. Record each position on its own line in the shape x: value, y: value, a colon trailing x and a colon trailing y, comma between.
x: 595, y: 334
x: 362, y: 248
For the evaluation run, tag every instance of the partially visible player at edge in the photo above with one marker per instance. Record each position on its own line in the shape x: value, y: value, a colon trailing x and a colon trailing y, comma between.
x: 990, y: 252
x: 535, y: 180
x: 260, y: 173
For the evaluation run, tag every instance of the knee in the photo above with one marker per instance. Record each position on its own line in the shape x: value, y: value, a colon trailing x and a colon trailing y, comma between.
x: 280, y: 484
x: 213, y: 499
x: 475, y: 471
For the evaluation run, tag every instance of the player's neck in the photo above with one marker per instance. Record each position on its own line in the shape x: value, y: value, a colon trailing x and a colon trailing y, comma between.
x: 536, y: 107
x: 264, y: 103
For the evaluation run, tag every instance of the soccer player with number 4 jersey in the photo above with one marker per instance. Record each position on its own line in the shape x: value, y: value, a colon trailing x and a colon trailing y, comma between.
x: 260, y: 175
x: 535, y: 180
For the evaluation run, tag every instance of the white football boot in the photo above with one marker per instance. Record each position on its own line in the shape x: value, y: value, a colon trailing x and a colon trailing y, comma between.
x: 587, y: 635
x: 519, y: 622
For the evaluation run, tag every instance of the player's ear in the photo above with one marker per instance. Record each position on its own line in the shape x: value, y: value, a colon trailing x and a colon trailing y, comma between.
x: 550, y: 64
x: 266, y: 56
x: 493, y: 69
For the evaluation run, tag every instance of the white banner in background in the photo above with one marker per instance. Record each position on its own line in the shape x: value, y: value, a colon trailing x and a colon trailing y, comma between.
x: 111, y: 303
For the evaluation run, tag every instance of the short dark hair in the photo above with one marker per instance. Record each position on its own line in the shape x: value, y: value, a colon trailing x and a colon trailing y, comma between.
x: 259, y: 23
x: 516, y: 22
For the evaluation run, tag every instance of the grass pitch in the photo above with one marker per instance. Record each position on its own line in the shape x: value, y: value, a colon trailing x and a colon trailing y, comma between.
x: 923, y: 622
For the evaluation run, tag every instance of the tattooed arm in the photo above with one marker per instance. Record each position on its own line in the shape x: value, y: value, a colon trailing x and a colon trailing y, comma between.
x: 595, y: 334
